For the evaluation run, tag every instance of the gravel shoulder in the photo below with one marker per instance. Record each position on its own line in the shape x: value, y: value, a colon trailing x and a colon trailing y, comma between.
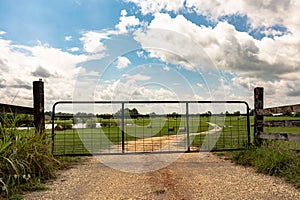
x: 190, y: 177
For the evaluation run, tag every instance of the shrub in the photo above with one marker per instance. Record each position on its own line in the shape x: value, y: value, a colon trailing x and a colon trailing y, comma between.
x: 25, y: 158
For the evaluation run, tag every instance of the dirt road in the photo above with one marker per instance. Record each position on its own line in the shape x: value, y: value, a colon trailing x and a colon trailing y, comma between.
x: 189, y: 177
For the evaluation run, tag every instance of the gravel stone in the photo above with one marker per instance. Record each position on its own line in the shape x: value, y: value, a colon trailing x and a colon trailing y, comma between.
x: 190, y: 177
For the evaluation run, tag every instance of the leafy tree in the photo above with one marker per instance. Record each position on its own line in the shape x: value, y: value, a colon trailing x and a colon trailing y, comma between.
x: 237, y: 113
x: 128, y: 113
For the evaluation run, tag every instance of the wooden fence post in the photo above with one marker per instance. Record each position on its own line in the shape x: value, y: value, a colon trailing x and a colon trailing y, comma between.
x: 258, y: 118
x: 38, y: 105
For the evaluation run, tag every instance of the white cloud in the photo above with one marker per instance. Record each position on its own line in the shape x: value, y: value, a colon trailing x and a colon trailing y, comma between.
x: 122, y: 62
x: 260, y: 13
x: 20, y: 65
x: 256, y: 62
x: 2, y: 32
x: 68, y: 38
x: 155, y: 6
x: 92, y: 41
x: 179, y: 41
x: 137, y: 77
x: 74, y: 49
x: 277, y: 92
x: 127, y: 22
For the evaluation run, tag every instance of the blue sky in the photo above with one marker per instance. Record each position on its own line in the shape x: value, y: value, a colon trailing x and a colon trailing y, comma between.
x: 149, y: 50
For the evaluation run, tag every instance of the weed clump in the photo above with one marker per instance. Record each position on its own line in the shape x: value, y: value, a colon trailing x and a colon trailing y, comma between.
x: 25, y: 158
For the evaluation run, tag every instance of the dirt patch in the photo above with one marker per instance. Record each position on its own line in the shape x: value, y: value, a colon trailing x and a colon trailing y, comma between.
x: 165, y: 143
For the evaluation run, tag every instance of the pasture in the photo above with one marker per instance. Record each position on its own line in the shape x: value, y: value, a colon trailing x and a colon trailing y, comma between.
x: 108, y: 138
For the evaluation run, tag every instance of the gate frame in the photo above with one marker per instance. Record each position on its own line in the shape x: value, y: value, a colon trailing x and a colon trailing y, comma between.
x: 150, y: 102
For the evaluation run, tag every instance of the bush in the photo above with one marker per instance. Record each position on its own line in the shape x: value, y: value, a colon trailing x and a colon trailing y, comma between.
x: 25, y: 159
x: 271, y: 161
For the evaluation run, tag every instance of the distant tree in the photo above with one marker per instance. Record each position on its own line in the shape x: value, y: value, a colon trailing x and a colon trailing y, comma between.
x: 152, y: 114
x: 49, y: 113
x: 208, y: 113
x: 128, y: 113
x: 237, y: 113
x: 173, y: 115
x: 104, y: 116
x: 133, y: 113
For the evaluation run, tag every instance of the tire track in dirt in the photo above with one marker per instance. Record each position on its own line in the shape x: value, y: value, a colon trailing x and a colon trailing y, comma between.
x: 165, y: 143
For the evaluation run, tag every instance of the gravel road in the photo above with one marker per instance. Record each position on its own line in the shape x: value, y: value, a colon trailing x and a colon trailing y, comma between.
x: 189, y: 177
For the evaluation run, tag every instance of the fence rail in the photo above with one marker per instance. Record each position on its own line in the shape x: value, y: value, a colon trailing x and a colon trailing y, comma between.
x: 279, y: 109
x: 259, y: 122
x: 5, y: 108
x: 37, y: 110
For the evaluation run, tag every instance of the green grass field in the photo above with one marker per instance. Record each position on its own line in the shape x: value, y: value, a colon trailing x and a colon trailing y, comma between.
x: 85, y: 140
x: 233, y: 134
x: 91, y: 140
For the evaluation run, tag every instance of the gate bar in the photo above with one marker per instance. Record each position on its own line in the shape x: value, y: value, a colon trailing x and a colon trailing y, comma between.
x: 123, y: 133
x: 187, y: 127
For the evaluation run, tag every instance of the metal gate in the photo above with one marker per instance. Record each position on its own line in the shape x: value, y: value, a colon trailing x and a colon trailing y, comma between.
x: 118, y: 127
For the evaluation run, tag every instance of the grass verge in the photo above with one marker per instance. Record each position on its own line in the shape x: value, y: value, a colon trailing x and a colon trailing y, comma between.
x: 271, y: 161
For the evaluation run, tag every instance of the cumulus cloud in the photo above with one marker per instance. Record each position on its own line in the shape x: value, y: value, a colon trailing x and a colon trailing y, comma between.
x: 260, y: 13
x: 155, y: 6
x: 122, y: 62
x: 137, y: 77
x: 41, y: 72
x: 272, y: 61
x: 21, y: 65
x: 126, y: 22
x: 179, y: 41
x: 133, y: 91
x: 74, y: 49
x: 92, y: 41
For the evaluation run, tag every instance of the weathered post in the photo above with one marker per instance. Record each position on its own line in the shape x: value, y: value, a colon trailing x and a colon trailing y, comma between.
x: 258, y: 117
x: 38, y: 105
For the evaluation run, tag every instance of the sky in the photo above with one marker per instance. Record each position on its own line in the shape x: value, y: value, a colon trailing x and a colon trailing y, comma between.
x: 150, y: 50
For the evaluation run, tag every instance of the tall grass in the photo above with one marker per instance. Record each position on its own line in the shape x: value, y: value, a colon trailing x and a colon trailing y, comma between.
x: 271, y: 161
x: 25, y: 158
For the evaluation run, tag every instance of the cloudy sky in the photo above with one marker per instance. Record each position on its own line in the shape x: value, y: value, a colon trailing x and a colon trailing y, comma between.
x: 150, y: 50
